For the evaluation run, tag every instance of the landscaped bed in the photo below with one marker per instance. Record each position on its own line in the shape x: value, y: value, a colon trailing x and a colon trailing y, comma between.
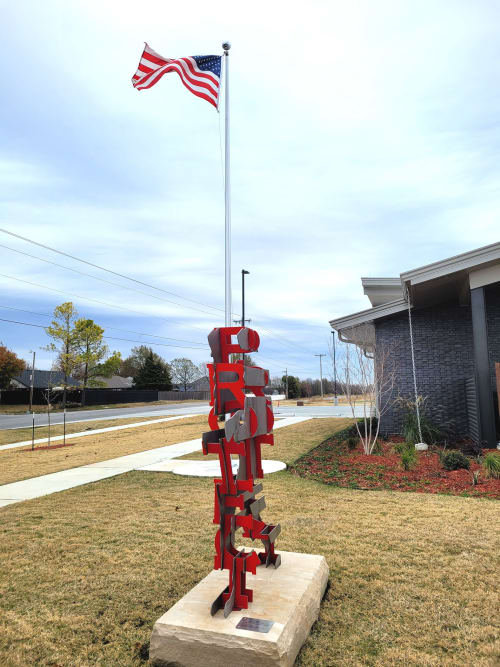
x: 334, y: 462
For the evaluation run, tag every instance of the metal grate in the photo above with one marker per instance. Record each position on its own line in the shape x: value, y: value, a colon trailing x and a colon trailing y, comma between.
x: 473, y: 423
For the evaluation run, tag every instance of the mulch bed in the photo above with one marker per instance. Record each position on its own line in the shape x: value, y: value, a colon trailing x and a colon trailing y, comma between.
x: 333, y: 463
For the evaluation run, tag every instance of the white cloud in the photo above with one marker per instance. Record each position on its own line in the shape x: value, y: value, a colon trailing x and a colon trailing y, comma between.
x: 364, y: 142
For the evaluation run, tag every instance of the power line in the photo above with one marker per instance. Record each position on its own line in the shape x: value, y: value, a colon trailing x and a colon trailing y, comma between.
x: 128, y: 340
x: 278, y: 337
x: 279, y: 364
x: 103, y: 280
x: 121, y: 275
x: 274, y: 362
x: 78, y: 296
x: 102, y: 268
x: 137, y: 333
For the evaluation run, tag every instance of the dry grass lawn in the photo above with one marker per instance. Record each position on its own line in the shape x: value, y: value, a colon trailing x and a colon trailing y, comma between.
x: 292, y: 441
x: 86, y: 572
x: 22, y: 409
x: 9, y: 436
x: 17, y: 464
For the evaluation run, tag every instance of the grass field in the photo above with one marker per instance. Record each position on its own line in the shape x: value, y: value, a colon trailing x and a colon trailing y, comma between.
x: 17, y: 464
x: 22, y: 409
x: 86, y: 572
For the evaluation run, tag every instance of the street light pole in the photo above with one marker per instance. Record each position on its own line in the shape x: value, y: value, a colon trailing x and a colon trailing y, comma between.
x: 244, y: 273
x: 320, y: 371
x: 286, y: 383
x: 335, y: 397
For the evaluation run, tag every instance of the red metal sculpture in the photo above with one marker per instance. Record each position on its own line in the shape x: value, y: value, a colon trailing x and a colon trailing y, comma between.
x: 248, y: 425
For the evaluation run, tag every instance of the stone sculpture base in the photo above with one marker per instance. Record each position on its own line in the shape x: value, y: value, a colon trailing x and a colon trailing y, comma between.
x: 290, y: 596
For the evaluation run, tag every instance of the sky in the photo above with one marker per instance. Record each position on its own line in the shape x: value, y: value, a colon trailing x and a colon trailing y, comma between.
x: 364, y: 142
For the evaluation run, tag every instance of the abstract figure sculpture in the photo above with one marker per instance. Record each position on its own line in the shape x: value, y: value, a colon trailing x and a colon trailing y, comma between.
x: 248, y: 425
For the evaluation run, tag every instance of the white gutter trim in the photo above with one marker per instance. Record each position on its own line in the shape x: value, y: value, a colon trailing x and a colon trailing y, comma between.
x: 364, y: 316
x: 467, y: 260
x: 382, y: 282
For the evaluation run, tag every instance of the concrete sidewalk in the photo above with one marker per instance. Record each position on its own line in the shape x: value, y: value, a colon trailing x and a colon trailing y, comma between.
x: 44, y: 485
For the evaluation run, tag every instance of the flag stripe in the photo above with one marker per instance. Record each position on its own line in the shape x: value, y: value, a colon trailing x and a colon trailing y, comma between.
x: 194, y: 79
x: 203, y: 83
x: 177, y: 67
x: 192, y: 63
x: 153, y: 57
x: 150, y: 79
x: 208, y: 82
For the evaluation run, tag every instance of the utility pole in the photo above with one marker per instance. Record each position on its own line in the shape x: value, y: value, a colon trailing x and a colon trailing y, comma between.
x: 286, y: 383
x: 320, y: 371
x: 32, y: 381
x: 335, y: 397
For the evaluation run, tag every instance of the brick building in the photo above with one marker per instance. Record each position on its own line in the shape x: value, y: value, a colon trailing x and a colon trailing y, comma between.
x: 455, y: 309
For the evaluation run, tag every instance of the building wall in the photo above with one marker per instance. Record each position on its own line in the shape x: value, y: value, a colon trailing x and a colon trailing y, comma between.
x: 443, y: 359
x: 493, y: 320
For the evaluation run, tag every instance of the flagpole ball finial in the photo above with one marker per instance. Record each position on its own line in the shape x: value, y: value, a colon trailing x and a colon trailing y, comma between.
x: 226, y: 46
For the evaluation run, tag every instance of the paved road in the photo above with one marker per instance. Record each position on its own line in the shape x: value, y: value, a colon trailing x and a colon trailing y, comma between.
x: 20, y: 421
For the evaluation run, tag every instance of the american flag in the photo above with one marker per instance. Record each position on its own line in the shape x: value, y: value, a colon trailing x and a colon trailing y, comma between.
x: 200, y: 74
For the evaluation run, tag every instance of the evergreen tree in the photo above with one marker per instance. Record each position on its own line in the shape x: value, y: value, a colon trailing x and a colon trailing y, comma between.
x: 153, y: 374
x: 136, y: 360
x: 293, y: 386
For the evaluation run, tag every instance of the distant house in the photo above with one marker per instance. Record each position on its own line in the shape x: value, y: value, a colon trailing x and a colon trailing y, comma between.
x: 115, y: 382
x: 42, y: 380
x: 455, y: 308
x: 201, y: 384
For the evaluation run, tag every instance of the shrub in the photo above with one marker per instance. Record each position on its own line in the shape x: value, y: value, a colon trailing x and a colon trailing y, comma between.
x: 352, y: 442
x: 474, y: 476
x: 408, y: 454
x: 491, y: 464
x: 408, y: 458
x: 430, y: 432
x: 454, y: 460
x: 402, y: 447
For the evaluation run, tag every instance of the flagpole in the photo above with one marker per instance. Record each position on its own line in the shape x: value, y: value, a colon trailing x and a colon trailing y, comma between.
x: 227, y: 190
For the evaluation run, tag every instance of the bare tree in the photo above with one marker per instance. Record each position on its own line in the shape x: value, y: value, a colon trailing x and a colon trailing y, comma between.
x: 202, y: 369
x: 278, y: 384
x: 367, y: 367
x: 184, y: 371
